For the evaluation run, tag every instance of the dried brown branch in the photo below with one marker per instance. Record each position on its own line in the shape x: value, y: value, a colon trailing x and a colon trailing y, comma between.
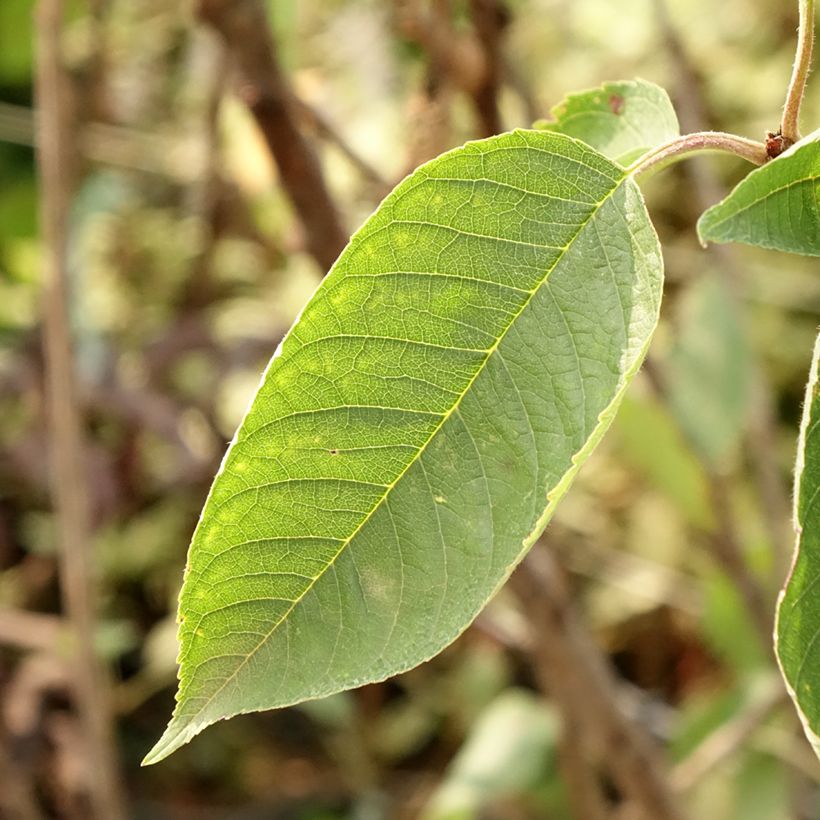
x: 573, y: 672
x: 69, y: 475
x: 243, y: 25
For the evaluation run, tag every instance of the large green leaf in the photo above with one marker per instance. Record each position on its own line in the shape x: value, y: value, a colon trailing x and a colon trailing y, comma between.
x: 776, y: 206
x: 797, y: 634
x: 417, y: 425
x: 622, y: 120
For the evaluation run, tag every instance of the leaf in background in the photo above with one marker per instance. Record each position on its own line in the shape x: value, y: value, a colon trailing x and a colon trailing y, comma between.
x: 506, y: 754
x: 776, y: 206
x: 622, y: 120
x: 797, y: 632
x: 417, y: 425
x: 708, y: 372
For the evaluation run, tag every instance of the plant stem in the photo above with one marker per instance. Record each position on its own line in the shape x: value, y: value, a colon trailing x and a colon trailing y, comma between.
x: 608, y: 745
x: 56, y: 151
x: 802, y: 64
x: 697, y: 143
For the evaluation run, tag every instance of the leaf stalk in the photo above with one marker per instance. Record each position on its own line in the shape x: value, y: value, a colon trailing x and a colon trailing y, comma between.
x: 697, y: 143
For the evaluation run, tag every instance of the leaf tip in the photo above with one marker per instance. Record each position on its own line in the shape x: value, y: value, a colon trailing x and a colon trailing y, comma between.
x: 174, y: 737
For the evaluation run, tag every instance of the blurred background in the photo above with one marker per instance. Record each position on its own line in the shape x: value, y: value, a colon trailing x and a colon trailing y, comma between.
x: 214, y: 167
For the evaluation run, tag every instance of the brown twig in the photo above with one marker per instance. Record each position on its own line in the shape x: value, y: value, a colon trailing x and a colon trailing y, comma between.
x: 323, y: 128
x: 69, y: 467
x: 243, y: 25
x: 30, y: 630
x: 572, y: 671
x: 472, y: 61
x: 17, y: 800
x: 490, y: 18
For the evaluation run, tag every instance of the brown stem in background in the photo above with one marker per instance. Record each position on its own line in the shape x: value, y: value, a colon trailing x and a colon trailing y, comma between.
x: 472, y: 62
x: 69, y: 476
x: 17, y: 800
x: 572, y: 671
x: 490, y: 18
x: 243, y: 25
x: 316, y: 122
x: 585, y: 788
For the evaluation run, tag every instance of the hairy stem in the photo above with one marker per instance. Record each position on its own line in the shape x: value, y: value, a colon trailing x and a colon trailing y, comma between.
x: 700, y: 142
x: 802, y: 64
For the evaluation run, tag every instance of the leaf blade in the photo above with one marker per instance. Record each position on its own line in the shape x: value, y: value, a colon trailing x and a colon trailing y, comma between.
x: 622, y: 120
x: 469, y: 466
x: 798, y: 612
x: 777, y: 206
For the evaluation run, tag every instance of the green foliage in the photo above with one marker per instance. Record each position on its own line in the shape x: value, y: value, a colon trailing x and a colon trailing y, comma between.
x: 775, y: 206
x: 798, y: 612
x: 622, y: 120
x: 417, y: 426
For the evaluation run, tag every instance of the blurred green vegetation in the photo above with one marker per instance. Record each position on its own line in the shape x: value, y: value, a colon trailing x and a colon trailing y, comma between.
x: 187, y: 265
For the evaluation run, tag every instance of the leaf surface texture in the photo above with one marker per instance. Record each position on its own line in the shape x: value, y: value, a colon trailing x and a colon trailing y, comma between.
x: 417, y: 425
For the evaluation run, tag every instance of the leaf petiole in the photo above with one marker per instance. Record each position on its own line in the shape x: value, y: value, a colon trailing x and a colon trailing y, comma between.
x: 697, y: 143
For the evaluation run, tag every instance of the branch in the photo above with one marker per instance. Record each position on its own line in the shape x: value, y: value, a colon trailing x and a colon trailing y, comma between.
x: 571, y: 669
x: 322, y: 127
x: 69, y: 467
x: 473, y: 62
x: 490, y: 18
x: 243, y: 25
x: 802, y: 65
x: 30, y: 630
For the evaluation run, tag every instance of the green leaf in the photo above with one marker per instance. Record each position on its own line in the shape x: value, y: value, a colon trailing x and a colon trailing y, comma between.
x: 622, y: 120
x: 417, y: 425
x: 797, y: 632
x: 776, y: 206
